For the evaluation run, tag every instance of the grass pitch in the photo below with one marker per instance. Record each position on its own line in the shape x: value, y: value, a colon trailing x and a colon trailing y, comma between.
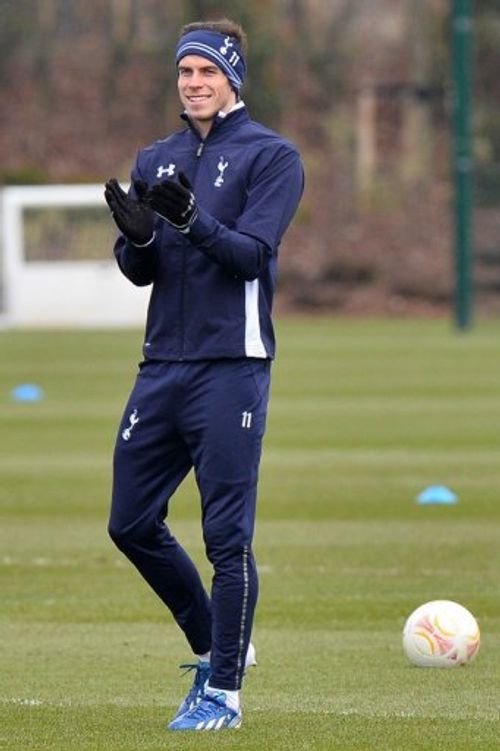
x: 363, y: 416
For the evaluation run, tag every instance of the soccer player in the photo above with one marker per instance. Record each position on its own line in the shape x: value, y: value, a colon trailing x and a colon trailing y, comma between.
x: 202, y: 223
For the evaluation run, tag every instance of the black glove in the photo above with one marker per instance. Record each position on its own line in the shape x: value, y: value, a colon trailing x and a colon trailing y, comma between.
x: 174, y: 202
x: 134, y: 218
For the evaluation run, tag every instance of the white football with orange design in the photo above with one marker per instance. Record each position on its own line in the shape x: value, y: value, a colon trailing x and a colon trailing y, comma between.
x: 441, y: 634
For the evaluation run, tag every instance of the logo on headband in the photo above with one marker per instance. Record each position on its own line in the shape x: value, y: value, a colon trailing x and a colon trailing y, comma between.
x: 233, y: 60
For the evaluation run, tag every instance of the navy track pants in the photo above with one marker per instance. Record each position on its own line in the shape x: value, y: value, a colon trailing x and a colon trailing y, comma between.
x: 209, y: 415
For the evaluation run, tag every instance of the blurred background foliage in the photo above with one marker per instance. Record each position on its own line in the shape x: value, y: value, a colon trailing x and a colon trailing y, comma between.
x: 362, y: 87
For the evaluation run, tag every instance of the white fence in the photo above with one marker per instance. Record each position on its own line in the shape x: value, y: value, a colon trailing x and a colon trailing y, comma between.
x: 61, y: 291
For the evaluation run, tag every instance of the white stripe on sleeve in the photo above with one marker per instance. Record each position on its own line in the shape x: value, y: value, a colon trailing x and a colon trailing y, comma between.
x: 254, y: 346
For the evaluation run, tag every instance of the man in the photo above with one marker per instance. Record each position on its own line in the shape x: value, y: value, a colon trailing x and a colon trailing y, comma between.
x: 202, y: 223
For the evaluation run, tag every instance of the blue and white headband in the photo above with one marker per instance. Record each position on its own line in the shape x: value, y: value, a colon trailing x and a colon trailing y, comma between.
x: 222, y: 50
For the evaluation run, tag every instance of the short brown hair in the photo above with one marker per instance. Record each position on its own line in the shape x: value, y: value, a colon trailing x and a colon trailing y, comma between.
x: 222, y: 26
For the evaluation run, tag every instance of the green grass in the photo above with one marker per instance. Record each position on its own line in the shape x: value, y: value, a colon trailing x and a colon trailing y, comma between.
x: 364, y: 415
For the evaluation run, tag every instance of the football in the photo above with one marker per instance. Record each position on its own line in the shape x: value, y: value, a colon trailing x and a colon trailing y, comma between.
x: 441, y: 634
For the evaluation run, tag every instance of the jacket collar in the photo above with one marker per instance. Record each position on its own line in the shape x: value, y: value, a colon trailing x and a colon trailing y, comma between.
x: 236, y: 116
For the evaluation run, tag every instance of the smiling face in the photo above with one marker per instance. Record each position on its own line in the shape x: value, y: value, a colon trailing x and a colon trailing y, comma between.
x: 204, y: 91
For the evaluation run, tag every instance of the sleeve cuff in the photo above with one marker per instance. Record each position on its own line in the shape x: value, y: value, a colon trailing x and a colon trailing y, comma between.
x: 144, y: 245
x: 202, y: 227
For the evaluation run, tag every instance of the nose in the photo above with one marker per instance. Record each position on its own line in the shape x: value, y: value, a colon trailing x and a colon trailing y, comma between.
x: 195, y: 80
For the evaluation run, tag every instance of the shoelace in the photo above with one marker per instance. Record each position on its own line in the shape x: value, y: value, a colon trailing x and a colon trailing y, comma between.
x: 204, y: 709
x: 189, y: 666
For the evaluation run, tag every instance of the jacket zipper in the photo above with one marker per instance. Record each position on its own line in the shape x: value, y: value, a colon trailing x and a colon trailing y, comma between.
x: 199, y: 152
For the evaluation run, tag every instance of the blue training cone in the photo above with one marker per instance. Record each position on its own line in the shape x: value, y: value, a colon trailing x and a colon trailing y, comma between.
x: 437, y: 495
x: 27, y: 392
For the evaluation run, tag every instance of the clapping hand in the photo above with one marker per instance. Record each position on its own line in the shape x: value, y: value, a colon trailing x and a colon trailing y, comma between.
x: 174, y: 202
x: 134, y: 218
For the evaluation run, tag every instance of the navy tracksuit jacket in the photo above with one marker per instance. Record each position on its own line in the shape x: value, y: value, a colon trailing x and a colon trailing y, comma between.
x: 200, y: 398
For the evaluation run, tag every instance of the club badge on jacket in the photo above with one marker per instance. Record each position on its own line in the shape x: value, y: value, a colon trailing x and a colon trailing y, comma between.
x: 222, y: 167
